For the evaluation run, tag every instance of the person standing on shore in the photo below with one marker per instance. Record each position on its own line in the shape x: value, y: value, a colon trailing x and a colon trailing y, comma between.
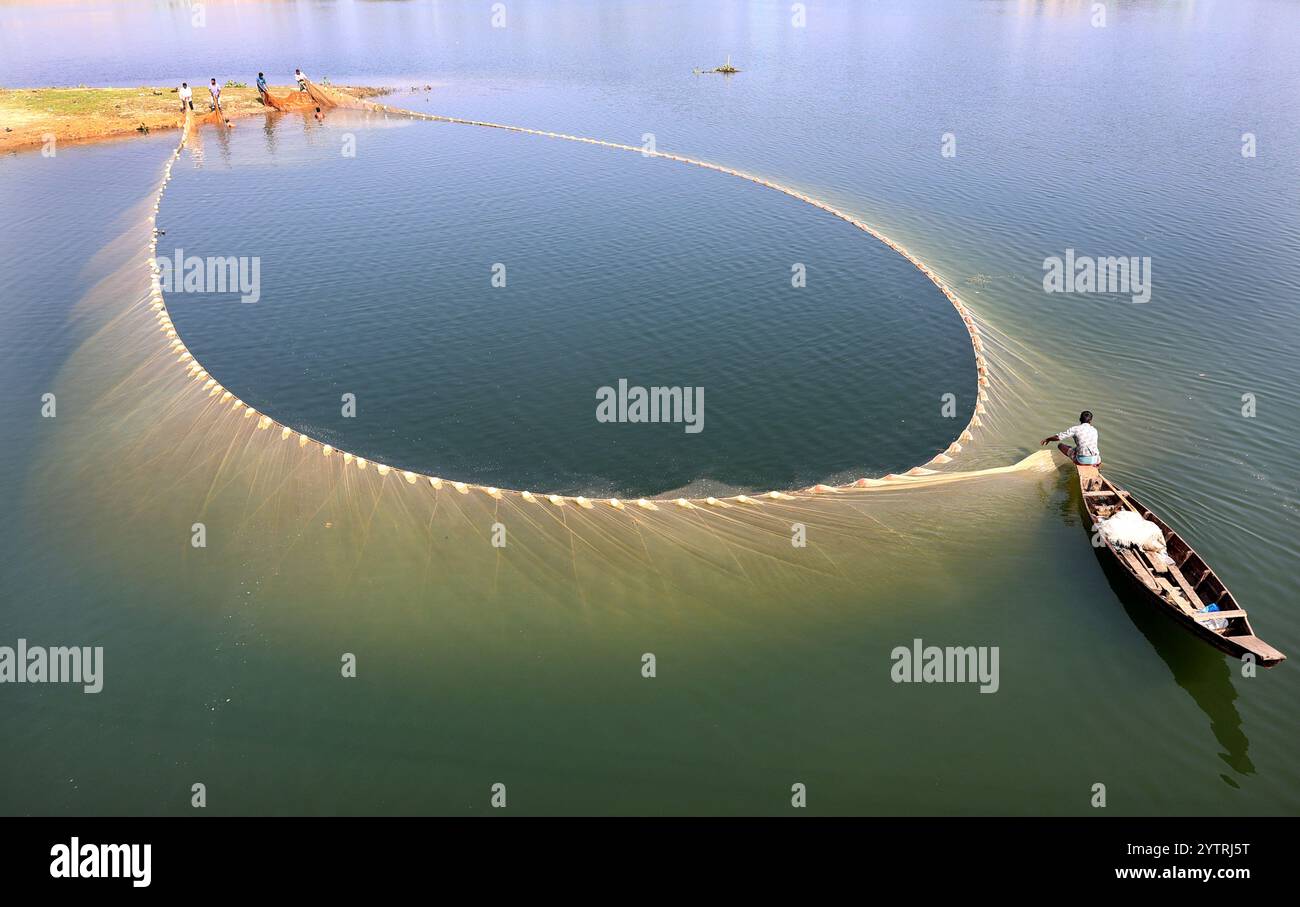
x: 215, y: 90
x: 302, y: 79
x: 261, y: 83
x: 187, y: 96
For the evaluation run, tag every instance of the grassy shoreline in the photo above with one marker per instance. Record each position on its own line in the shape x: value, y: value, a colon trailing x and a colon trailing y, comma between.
x: 29, y: 115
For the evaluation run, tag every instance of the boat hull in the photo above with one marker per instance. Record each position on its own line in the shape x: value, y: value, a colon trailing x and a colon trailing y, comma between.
x: 1168, y: 589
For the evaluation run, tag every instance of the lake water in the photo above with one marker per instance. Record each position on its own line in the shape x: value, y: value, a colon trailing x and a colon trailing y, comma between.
x: 523, y: 664
x: 377, y: 280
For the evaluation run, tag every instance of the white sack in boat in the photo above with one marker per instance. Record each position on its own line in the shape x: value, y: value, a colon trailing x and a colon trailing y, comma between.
x: 1129, y: 530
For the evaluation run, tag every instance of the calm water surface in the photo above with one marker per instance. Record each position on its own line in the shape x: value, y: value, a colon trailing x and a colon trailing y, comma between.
x: 523, y: 664
x: 377, y: 280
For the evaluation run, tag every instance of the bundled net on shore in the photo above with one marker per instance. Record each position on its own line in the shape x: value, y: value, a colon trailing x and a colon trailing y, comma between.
x: 294, y: 100
x: 193, y: 120
x: 314, y: 96
x: 328, y: 97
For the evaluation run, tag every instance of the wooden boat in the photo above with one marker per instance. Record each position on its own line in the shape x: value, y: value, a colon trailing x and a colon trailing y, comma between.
x: 1181, y: 589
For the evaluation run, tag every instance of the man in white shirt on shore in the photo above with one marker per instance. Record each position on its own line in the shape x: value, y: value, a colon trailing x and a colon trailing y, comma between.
x: 1085, y: 451
x: 187, y: 96
x: 302, y: 79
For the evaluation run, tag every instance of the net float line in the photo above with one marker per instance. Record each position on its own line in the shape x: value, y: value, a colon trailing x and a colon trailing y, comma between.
x: 916, y: 476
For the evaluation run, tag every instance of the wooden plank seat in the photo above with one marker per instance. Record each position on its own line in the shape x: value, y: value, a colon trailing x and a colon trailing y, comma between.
x: 1203, y: 616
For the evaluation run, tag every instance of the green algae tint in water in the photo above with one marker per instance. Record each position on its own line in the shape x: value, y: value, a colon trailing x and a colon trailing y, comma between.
x: 522, y: 664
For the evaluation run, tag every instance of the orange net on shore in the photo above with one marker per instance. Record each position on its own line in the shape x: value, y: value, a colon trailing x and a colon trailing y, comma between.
x: 194, y: 119
x: 328, y: 97
x: 294, y: 100
x: 315, y: 96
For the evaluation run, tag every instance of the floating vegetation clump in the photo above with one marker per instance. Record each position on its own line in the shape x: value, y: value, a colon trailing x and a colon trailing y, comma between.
x: 725, y: 69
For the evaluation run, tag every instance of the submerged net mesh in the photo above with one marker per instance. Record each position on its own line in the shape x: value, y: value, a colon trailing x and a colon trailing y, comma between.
x: 323, y: 97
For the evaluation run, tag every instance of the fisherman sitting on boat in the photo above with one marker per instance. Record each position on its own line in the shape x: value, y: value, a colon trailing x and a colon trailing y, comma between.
x: 1085, y: 451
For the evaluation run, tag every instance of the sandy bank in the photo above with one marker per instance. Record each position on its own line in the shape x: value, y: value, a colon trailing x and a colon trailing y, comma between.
x: 29, y: 115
